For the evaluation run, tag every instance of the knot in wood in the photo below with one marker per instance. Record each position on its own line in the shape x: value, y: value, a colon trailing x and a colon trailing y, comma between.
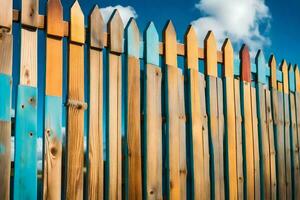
x: 79, y: 105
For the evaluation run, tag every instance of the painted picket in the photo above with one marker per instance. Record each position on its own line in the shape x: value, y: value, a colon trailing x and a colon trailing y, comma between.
x: 152, y: 150
x: 53, y: 101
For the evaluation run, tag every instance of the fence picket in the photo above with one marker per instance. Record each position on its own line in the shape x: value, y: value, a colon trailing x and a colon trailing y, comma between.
x: 95, y: 136
x: 172, y: 112
x: 284, y: 69
x: 247, y: 122
x: 114, y: 162
x: 231, y: 133
x: 53, y: 101
x: 294, y: 138
x: 216, y: 134
x: 199, y: 187
x: 6, y: 48
x: 133, y: 129
x: 76, y: 106
x: 25, y: 180
x: 153, y: 117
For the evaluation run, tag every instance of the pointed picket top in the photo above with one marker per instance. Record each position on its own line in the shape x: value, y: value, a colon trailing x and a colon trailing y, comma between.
x: 151, y: 45
x: 261, y: 67
x: 96, y: 29
x: 291, y: 78
x: 210, y: 48
x: 285, y: 78
x: 55, y: 24
x: 191, y: 42
x: 170, y: 44
x: 273, y: 66
x: 30, y: 14
x: 133, y: 39
x: 245, y: 64
x: 116, y: 32
x: 297, y: 78
x: 6, y: 13
x: 77, y: 24
x: 228, y: 58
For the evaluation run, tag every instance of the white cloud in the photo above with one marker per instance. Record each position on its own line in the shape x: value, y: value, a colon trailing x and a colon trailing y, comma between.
x: 243, y: 21
x: 125, y: 12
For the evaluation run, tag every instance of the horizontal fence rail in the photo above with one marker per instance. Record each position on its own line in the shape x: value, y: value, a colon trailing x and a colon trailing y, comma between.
x: 87, y: 113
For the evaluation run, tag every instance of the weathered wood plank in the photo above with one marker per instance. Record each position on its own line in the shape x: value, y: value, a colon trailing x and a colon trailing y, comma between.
x: 95, y: 167
x: 256, y: 144
x: 25, y: 168
x: 211, y: 70
x: 153, y: 117
x: 133, y: 129
x: 173, y: 115
x: 288, y: 169
x: 239, y: 140
x: 5, y: 108
x: 75, y: 121
x: 262, y: 125
x: 182, y: 137
x: 270, y: 131
x: 53, y: 101
x: 197, y: 125
x: 295, y: 148
x: 114, y: 162
x: 230, y: 120
x: 246, y: 103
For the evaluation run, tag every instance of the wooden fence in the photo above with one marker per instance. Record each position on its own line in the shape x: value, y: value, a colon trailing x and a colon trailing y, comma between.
x: 208, y: 126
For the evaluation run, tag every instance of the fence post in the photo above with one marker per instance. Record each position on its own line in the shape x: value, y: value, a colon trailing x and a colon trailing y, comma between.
x: 95, y: 135
x: 6, y: 48
x: 25, y: 176
x: 114, y: 150
x: 284, y: 69
x: 214, y: 108
x: 76, y: 105
x: 53, y: 101
x: 152, y: 117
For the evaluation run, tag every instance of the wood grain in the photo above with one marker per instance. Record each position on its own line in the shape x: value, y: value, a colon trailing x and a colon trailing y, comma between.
x: 256, y: 144
x: 239, y: 139
x: 154, y: 131
x: 6, y: 14
x: 6, y: 42
x: 270, y: 132
x: 245, y: 63
x: 96, y: 169
x: 273, y: 67
x: 116, y: 31
x: 75, y: 123
x: 114, y: 127
x: 77, y: 29
x: 96, y: 163
x: 5, y: 149
x: 170, y: 44
x: 55, y: 23
x: 28, y: 71
x: 248, y: 139
x: 278, y: 105
x: 29, y: 14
